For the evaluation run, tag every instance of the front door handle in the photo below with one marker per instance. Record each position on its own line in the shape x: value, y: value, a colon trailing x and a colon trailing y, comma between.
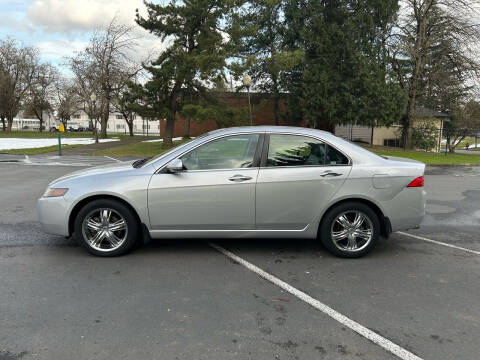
x: 239, y: 178
x: 330, y: 173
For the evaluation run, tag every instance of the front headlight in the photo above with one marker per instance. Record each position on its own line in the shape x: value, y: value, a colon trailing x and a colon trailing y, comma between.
x: 55, y: 192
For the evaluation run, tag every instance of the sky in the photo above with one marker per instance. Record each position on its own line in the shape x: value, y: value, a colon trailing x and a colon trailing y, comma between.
x: 59, y: 28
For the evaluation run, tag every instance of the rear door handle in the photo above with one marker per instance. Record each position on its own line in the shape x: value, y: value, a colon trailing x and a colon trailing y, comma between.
x: 329, y: 173
x: 239, y: 178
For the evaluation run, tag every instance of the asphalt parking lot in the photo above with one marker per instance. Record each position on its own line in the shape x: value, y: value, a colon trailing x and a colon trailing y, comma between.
x: 184, y: 299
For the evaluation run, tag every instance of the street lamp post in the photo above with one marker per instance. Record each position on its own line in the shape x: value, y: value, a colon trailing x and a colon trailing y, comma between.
x: 93, y: 97
x: 247, y: 81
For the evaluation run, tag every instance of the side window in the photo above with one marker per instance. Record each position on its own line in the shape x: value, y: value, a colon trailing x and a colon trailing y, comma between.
x: 295, y: 150
x: 230, y: 152
x: 335, y: 157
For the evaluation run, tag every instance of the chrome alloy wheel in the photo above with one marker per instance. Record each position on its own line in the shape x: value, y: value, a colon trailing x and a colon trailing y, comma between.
x: 352, y: 231
x: 104, y: 229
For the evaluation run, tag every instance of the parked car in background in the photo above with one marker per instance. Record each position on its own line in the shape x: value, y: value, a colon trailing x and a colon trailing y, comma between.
x: 272, y: 181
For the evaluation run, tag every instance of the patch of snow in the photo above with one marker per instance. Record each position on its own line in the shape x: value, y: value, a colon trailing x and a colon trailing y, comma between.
x: 159, y: 140
x: 472, y: 146
x: 22, y: 143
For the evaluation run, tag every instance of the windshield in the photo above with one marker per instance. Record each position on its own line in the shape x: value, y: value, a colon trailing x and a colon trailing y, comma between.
x: 166, y: 153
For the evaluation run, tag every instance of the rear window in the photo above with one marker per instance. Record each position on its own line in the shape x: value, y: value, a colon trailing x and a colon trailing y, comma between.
x: 298, y: 150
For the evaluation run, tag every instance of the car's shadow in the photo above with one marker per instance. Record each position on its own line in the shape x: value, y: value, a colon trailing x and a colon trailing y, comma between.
x: 256, y: 245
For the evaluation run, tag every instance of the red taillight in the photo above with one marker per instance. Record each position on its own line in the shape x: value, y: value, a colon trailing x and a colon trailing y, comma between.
x: 418, y: 182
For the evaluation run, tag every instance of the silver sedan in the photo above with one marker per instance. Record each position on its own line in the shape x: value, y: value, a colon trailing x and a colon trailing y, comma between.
x: 278, y: 182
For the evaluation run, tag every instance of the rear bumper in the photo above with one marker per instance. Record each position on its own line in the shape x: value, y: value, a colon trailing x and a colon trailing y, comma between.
x: 52, y: 214
x: 407, y: 209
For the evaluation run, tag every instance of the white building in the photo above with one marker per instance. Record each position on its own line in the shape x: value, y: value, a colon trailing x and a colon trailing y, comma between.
x: 116, y: 123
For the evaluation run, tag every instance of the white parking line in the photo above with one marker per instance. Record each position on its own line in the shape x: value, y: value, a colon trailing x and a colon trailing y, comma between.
x: 111, y: 158
x: 342, y: 319
x: 439, y: 243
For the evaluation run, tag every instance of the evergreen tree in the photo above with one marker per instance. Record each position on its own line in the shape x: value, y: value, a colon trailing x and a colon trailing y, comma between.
x: 343, y: 75
x: 261, y: 51
x: 193, y: 59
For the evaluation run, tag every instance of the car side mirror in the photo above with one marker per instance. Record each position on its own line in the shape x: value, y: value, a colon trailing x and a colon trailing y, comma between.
x: 175, y: 166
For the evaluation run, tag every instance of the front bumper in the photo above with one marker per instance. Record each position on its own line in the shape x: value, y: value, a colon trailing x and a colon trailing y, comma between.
x: 53, y: 215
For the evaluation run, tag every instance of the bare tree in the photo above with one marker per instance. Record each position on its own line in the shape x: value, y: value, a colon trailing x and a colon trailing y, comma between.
x: 18, y: 67
x: 86, y: 80
x: 110, y: 51
x: 40, y: 97
x: 423, y: 26
x: 67, y: 102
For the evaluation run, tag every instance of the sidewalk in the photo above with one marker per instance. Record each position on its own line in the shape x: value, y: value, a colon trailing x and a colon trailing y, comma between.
x: 467, y: 152
x: 91, y: 148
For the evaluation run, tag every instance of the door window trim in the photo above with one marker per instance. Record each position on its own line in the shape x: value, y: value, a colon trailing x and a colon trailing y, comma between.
x: 256, y: 157
x: 266, y: 144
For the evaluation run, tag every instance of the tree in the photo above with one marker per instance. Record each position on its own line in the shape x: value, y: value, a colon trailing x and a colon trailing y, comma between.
x: 222, y: 114
x: 431, y: 32
x: 67, y: 101
x: 86, y: 83
x: 342, y: 78
x: 18, y: 67
x: 425, y: 135
x: 40, y: 97
x: 126, y: 103
x: 194, y: 57
x: 465, y: 121
x: 110, y: 56
x: 261, y: 49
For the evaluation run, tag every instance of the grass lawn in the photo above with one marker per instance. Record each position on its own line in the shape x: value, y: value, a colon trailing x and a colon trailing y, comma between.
x: 430, y: 158
x: 36, y: 151
x: 138, y: 149
x: 25, y: 134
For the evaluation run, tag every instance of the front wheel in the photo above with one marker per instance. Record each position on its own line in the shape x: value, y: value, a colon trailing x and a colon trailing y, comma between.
x: 106, y: 227
x: 350, y: 230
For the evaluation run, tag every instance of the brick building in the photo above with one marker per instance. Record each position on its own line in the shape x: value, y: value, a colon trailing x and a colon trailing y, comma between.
x: 262, y: 113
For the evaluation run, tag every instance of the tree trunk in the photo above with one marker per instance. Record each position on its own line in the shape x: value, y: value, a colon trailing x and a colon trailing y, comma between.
x: 407, y: 123
x: 104, y: 121
x: 40, y: 120
x: 9, y: 123
x: 130, y: 127
x: 4, y: 126
x: 169, y: 128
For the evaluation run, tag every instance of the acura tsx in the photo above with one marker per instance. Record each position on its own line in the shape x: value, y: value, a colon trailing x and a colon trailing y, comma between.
x: 252, y: 182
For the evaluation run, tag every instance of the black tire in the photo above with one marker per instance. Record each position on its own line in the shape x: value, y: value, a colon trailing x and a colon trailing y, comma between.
x: 130, y: 235
x: 325, y: 230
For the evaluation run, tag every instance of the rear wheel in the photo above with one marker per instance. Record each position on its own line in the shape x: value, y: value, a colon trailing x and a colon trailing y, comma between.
x: 350, y: 230
x: 106, y: 227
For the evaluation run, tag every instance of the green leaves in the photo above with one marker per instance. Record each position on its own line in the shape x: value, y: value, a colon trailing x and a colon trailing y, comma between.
x: 194, y: 59
x: 342, y: 77
x: 223, y: 115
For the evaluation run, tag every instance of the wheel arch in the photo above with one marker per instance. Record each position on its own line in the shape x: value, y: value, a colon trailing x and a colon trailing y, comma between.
x: 385, y: 225
x: 79, y: 205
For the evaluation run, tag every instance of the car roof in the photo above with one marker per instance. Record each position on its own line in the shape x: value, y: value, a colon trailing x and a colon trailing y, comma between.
x: 270, y: 129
